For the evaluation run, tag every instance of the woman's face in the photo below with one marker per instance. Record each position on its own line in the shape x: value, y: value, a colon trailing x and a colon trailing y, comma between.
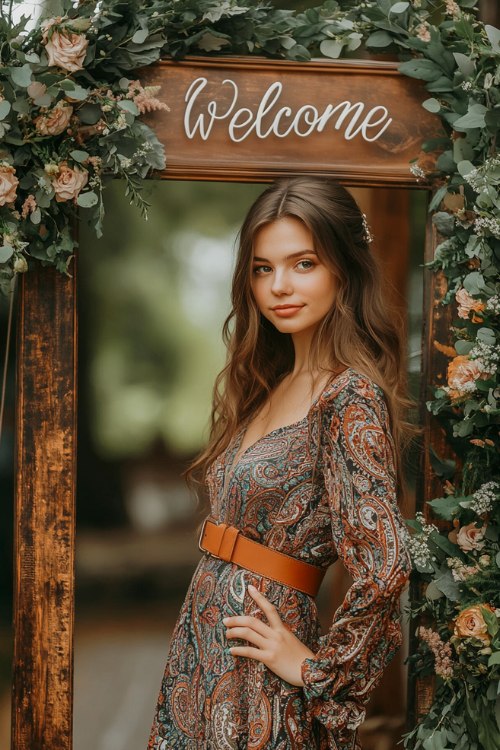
x: 293, y: 289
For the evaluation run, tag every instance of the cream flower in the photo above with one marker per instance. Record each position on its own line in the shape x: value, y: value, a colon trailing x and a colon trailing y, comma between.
x: 55, y: 121
x: 462, y: 374
x: 470, y: 623
x: 8, y: 184
x: 69, y: 182
x: 65, y: 49
x: 423, y: 32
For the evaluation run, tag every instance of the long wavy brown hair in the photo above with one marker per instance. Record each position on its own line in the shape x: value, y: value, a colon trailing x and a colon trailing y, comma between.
x: 361, y: 330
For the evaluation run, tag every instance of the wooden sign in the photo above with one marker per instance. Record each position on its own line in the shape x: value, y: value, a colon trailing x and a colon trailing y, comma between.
x: 233, y: 118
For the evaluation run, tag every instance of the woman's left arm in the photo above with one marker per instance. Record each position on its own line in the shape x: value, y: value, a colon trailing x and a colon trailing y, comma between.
x: 370, y: 537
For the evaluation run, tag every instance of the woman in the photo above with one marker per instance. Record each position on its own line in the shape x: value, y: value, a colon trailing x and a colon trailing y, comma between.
x: 303, y: 466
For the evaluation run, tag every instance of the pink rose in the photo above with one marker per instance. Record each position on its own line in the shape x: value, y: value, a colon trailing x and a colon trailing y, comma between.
x: 8, y: 184
x: 55, y: 121
x: 466, y: 303
x: 69, y: 182
x: 471, y: 537
x: 65, y: 49
x: 36, y: 89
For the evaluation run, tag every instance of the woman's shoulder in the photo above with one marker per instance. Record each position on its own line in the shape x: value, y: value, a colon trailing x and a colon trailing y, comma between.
x: 353, y: 388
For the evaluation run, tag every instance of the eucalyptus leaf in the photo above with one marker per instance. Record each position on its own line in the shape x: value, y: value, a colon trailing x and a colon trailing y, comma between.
x: 211, y: 42
x: 463, y: 347
x: 448, y: 586
x: 493, y: 35
x: 379, y: 39
x: 465, y: 63
x: 437, y: 198
x: 223, y: 8
x: 462, y: 150
x: 331, y: 48
x: 77, y: 92
x: 6, y: 252
x: 129, y: 106
x: 79, y: 156
x: 474, y: 282
x: 21, y: 76
x: 88, y: 199
x: 399, y: 7
x: 431, y: 105
x: 465, y: 167
x: 473, y: 119
x: 432, y: 592
x: 445, y: 507
x: 5, y: 108
x: 36, y: 216
x: 487, y: 336
x: 22, y: 105
x: 140, y: 36
x: 420, y: 68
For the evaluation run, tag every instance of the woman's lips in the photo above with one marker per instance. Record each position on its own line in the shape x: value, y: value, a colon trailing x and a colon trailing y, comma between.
x: 287, y: 312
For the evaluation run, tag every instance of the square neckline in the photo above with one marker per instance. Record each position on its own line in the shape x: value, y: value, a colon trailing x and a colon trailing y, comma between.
x: 244, y: 427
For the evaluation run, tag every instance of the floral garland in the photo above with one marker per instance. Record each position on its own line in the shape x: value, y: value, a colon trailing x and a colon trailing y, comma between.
x: 70, y: 117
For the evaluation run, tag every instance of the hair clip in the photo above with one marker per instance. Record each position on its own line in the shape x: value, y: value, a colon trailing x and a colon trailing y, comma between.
x: 366, y: 229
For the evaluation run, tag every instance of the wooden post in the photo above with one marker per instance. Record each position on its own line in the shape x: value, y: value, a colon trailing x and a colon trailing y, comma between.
x: 45, y: 483
x: 436, y: 322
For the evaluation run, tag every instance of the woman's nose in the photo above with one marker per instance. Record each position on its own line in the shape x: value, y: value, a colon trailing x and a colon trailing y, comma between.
x: 281, y: 283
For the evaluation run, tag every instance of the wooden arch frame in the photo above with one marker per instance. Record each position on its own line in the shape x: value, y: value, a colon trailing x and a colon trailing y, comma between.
x: 46, y: 380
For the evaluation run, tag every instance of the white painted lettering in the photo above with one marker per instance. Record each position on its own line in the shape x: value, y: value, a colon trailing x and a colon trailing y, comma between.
x: 348, y: 117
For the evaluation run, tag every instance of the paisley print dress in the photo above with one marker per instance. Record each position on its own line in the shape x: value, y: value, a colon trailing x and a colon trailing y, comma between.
x: 319, y: 489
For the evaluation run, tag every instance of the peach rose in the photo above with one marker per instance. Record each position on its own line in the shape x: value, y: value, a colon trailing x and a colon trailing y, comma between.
x: 69, y: 182
x: 8, y: 184
x: 470, y: 623
x: 462, y: 372
x: 466, y: 303
x: 470, y: 537
x: 55, y: 121
x: 65, y: 49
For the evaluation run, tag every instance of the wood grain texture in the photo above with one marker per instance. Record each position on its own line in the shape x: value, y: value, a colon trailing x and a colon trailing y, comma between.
x: 436, y: 327
x: 355, y: 161
x: 46, y: 433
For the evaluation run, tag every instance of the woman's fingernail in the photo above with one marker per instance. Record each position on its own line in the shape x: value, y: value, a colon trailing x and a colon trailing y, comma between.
x: 251, y: 587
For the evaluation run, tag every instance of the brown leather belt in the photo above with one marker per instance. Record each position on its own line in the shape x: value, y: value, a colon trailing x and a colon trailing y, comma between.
x: 228, y: 543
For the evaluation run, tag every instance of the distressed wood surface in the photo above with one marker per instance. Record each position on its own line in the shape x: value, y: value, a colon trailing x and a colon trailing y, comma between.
x: 355, y: 161
x: 436, y: 327
x: 44, y: 510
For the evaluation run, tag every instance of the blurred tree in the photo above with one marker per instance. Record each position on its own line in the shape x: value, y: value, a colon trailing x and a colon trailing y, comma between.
x: 154, y: 296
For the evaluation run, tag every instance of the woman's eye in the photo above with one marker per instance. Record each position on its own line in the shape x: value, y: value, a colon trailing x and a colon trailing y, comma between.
x: 261, y: 269
x: 308, y: 264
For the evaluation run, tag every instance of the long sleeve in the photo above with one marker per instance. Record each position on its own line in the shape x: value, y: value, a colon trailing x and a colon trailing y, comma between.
x: 370, y: 537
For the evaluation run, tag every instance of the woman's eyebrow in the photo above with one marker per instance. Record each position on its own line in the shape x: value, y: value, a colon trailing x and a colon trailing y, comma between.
x: 292, y: 255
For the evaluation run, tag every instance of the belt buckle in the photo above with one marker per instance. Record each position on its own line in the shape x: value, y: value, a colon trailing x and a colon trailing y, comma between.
x: 206, y: 551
